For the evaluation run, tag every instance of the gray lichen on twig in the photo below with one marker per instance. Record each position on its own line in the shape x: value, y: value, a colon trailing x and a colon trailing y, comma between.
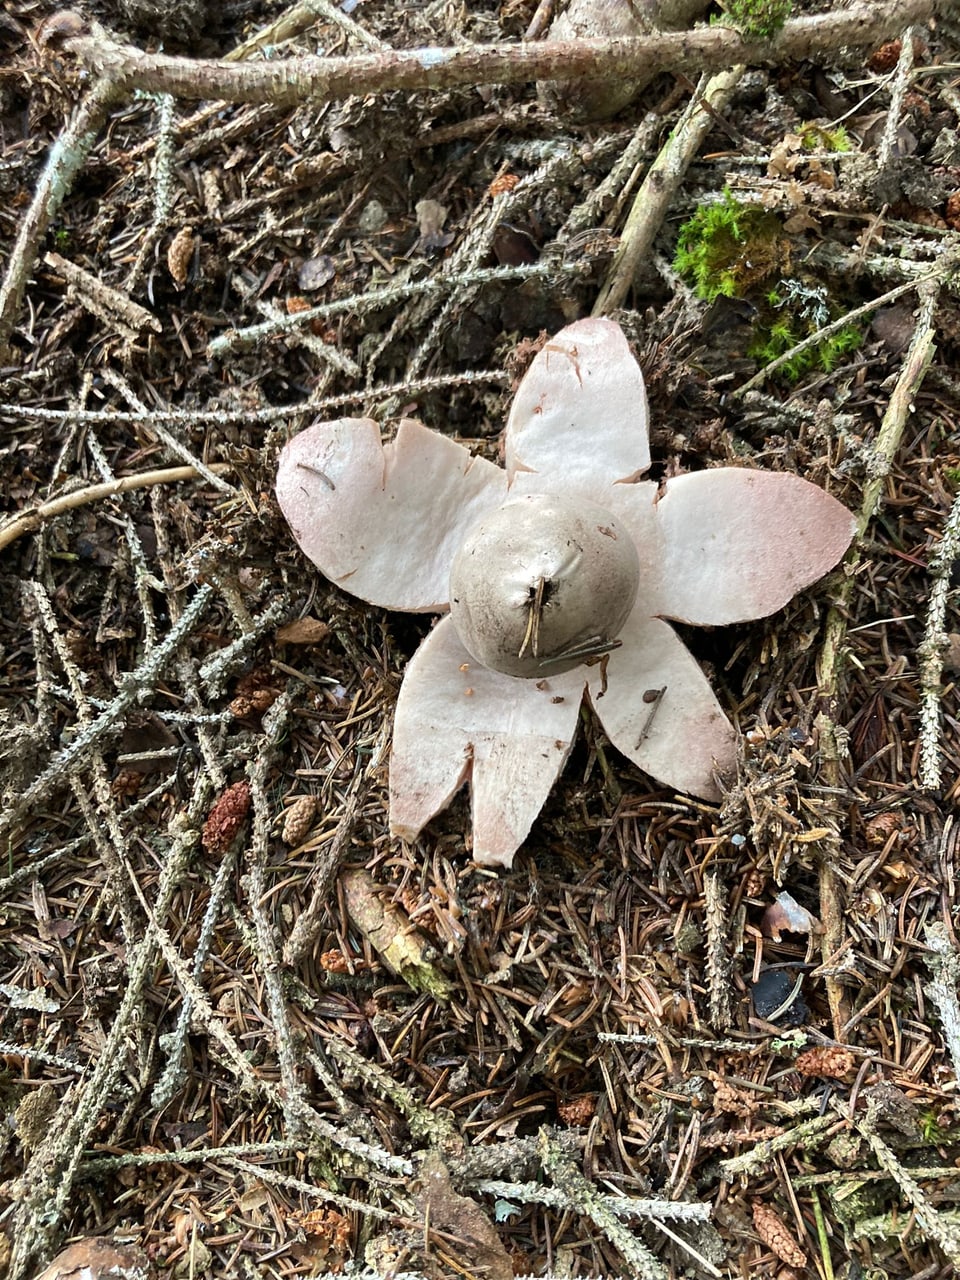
x: 931, y: 651
x: 135, y: 686
x: 312, y: 79
x: 944, y: 964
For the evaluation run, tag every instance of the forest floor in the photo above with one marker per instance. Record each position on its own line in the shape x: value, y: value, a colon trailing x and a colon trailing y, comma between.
x: 614, y: 1059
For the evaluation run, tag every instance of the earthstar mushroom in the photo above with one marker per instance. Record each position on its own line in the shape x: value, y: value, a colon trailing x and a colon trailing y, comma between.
x: 560, y: 572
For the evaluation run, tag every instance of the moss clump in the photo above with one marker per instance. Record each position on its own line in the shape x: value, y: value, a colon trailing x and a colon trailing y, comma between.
x: 757, y: 19
x: 931, y: 1129
x: 814, y: 137
x: 732, y: 250
x: 728, y: 247
x: 769, y: 343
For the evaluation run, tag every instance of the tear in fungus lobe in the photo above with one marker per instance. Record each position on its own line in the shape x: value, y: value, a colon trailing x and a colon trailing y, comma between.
x: 542, y: 584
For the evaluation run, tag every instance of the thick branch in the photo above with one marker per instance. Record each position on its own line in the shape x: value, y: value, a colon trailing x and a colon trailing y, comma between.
x: 290, y: 81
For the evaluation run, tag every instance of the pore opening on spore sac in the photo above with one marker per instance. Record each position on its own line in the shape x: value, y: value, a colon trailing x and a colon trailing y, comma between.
x: 537, y: 598
x: 542, y: 584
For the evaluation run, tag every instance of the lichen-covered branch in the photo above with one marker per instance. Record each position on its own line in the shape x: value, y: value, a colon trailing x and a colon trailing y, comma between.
x: 288, y: 82
x: 48, y: 1180
x: 915, y: 364
x: 134, y: 685
x: 661, y: 183
x: 934, y: 1226
x: 944, y: 963
x: 587, y: 1200
x: 932, y: 649
x: 64, y: 162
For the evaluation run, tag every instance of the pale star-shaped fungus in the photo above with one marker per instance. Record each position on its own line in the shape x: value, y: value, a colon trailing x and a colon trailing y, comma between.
x: 559, y: 572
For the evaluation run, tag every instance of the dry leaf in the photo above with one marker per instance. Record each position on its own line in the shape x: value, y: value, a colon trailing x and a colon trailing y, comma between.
x: 430, y: 219
x: 303, y: 631
x: 31, y: 1120
x: 254, y: 1198
x: 328, y: 1223
x: 60, y: 26
x: 98, y: 1258
x: 799, y: 222
x: 786, y: 915
x: 479, y: 1248
x: 431, y: 215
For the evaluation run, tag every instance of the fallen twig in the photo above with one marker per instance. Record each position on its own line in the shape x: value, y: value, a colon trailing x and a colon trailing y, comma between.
x: 446, y: 283
x: 932, y: 1223
x: 33, y: 519
x: 828, y: 330
x: 719, y: 976
x: 944, y: 963
x: 810, y: 1133
x: 106, y: 303
x: 932, y: 648
x: 587, y: 1200
x: 64, y: 162
x: 915, y: 365
x: 661, y: 183
x: 135, y: 685
x: 622, y: 1206
x: 289, y: 82
x: 46, y: 1185
x: 288, y: 25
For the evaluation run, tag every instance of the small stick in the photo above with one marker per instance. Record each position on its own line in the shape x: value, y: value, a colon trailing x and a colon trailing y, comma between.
x: 655, y: 698
x: 594, y: 648
x: 540, y: 20
x: 28, y: 521
x: 661, y: 183
x: 101, y: 299
x: 535, y: 616
x: 915, y: 364
x: 931, y: 650
x: 300, y: 18
x: 173, y: 443
x: 901, y: 83
x: 835, y: 326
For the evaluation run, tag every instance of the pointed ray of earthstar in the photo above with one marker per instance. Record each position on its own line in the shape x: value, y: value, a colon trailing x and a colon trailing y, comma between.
x: 384, y: 521
x: 737, y: 544
x: 457, y: 721
x: 657, y: 707
x: 579, y: 418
